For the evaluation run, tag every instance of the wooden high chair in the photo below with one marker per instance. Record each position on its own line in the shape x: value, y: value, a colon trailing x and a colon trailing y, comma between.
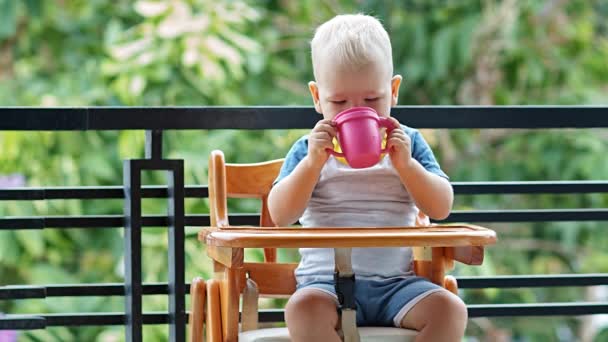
x: 215, y: 302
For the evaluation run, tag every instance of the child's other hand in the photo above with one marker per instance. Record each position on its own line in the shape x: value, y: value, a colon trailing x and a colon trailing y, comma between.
x: 399, y: 147
x: 320, y: 139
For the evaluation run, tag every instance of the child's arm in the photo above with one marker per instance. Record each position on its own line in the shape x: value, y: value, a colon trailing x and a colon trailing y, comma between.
x: 432, y: 194
x: 287, y: 200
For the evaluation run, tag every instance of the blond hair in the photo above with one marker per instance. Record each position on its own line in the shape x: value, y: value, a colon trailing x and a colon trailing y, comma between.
x: 352, y: 41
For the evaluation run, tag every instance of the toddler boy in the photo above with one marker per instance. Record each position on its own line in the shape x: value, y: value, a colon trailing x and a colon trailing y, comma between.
x: 352, y: 62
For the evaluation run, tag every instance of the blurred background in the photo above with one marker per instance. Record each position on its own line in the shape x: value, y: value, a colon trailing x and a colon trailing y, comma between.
x: 229, y: 53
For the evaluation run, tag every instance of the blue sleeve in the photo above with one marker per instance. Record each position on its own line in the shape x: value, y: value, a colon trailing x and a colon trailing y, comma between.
x: 298, y: 151
x: 421, y: 151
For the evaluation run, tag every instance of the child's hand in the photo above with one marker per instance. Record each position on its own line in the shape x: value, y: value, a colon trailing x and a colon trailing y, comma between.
x: 399, y: 147
x: 320, y: 139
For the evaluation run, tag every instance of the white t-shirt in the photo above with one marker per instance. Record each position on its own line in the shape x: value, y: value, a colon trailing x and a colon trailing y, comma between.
x: 369, y: 197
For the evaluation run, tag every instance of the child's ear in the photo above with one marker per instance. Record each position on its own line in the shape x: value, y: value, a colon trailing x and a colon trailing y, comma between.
x: 395, y: 84
x: 314, y: 92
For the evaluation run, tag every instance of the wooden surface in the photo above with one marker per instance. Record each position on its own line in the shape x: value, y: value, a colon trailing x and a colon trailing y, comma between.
x: 214, y: 319
x: 198, y: 297
x: 229, y: 257
x: 251, y: 180
x: 218, y: 207
x: 438, y: 266
x: 471, y: 255
x: 434, y: 236
x: 273, y: 279
x: 229, y: 303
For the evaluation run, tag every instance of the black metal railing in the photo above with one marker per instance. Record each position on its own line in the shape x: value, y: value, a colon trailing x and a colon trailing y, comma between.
x: 155, y: 120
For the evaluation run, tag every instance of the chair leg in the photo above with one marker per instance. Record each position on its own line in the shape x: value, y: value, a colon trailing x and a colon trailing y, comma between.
x: 450, y: 284
x: 198, y: 296
x: 213, y: 327
x: 438, y: 266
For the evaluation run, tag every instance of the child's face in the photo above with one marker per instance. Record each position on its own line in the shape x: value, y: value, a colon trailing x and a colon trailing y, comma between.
x: 338, y: 89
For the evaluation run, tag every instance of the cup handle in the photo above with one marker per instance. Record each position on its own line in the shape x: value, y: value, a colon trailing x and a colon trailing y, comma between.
x: 337, y: 154
x: 331, y: 150
x: 388, y: 124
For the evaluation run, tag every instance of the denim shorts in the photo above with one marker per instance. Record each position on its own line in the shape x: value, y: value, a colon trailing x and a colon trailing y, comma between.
x: 381, y: 302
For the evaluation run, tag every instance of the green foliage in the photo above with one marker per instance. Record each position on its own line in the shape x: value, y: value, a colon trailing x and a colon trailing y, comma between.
x: 195, y: 47
x: 187, y: 52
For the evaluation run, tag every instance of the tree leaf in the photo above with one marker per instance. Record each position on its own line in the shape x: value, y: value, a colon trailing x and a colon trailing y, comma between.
x: 442, y: 44
x: 8, y: 18
x: 32, y: 242
x: 34, y: 7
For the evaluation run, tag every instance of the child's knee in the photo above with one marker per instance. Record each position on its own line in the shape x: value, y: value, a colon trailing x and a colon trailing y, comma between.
x: 448, y: 305
x: 455, y: 306
x: 441, y: 308
x: 310, y: 306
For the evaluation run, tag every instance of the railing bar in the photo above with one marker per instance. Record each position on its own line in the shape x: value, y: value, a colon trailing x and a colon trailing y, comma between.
x: 91, y: 192
x: 154, y: 144
x: 22, y: 194
x: 532, y: 281
x: 22, y: 292
x: 117, y: 289
x: 537, y: 309
x: 273, y: 117
x: 102, y: 290
x: 528, y: 215
x: 530, y: 187
x: 494, y: 310
x: 78, y: 290
x: 84, y: 319
x: 30, y: 322
x: 27, y: 322
x: 85, y: 290
x: 176, y: 254
x: 21, y: 223
x: 201, y: 191
x: 22, y: 322
x: 133, y: 221
x: 113, y: 221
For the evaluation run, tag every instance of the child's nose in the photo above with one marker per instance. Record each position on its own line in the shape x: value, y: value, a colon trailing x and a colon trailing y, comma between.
x: 359, y: 103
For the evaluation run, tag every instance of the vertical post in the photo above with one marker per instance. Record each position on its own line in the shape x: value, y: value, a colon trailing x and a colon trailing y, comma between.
x: 133, y: 224
x: 154, y: 144
x: 176, y: 259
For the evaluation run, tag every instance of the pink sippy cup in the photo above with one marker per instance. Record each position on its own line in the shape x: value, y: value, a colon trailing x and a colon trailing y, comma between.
x: 359, y: 136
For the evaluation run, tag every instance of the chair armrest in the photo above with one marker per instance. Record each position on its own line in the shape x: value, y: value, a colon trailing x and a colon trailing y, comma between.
x: 469, y: 255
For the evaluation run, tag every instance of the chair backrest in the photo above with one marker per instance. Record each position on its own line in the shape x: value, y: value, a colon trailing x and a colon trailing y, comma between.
x: 241, y: 181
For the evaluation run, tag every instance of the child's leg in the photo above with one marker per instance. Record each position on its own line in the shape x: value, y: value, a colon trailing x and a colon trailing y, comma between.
x: 441, y: 316
x: 311, y: 315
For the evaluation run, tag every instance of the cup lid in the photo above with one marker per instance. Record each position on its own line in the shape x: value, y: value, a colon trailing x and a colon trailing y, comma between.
x: 355, y: 112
